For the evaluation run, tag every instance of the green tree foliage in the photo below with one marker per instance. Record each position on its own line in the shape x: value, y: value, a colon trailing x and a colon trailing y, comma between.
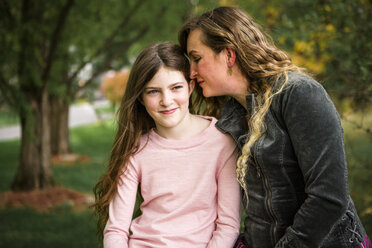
x: 52, y: 50
x: 335, y: 37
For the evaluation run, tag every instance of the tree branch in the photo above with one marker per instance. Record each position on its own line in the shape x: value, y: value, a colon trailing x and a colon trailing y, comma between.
x: 109, y: 40
x: 105, y: 66
x: 55, y: 39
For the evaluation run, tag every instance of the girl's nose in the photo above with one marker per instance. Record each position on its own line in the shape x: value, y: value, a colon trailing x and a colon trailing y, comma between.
x: 166, y: 99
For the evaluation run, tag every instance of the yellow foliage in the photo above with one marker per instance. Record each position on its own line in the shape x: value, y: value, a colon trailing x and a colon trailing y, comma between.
x: 314, y: 65
x: 282, y: 39
x: 330, y: 28
x: 226, y: 2
x: 272, y: 15
x: 303, y: 47
x: 113, y: 85
x: 367, y: 211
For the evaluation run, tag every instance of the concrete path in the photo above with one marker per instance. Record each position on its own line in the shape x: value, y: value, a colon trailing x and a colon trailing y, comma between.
x: 81, y: 114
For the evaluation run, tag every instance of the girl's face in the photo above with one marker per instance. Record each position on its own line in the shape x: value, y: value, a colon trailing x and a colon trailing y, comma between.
x: 208, y: 69
x: 166, y: 98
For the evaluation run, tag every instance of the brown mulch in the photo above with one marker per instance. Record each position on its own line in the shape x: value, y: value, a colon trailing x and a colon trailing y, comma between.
x: 45, y: 200
x: 70, y: 159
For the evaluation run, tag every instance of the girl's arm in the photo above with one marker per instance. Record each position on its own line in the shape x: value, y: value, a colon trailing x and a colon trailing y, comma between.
x: 228, y: 206
x: 317, y: 138
x: 116, y: 233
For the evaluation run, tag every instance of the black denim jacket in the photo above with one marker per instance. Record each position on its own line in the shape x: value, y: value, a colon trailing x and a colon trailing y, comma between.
x: 297, y: 179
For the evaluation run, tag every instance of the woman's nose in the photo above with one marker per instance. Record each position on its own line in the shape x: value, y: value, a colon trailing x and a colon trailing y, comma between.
x: 193, y: 72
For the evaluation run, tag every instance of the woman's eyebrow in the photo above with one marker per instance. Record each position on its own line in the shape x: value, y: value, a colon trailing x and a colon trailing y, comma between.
x: 191, y: 53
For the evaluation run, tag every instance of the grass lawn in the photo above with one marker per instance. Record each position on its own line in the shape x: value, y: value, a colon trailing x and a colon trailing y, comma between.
x: 64, y: 227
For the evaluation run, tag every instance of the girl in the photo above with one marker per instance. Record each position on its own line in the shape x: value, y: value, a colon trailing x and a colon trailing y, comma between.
x: 184, y: 165
x: 292, y: 166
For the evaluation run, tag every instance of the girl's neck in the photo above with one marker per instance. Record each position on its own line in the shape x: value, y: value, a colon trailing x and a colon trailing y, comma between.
x: 191, y: 126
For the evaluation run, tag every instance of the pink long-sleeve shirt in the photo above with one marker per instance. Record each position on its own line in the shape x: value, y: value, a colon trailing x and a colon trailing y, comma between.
x: 191, y: 195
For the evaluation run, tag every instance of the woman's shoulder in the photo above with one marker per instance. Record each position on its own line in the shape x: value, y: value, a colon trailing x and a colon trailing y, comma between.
x: 217, y: 136
x: 302, y: 92
x: 301, y: 85
x: 297, y: 79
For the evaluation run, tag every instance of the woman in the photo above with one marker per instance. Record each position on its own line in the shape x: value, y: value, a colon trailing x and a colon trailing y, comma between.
x: 292, y: 167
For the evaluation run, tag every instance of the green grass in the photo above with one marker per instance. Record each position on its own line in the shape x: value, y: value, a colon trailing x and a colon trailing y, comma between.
x: 61, y: 228
x: 94, y: 141
x: 65, y: 227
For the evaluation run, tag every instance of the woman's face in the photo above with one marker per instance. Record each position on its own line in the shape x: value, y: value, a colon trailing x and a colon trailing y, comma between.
x: 208, y: 69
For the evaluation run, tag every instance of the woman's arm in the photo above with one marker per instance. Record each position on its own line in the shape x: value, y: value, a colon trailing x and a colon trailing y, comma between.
x: 315, y: 131
x: 228, y: 209
x: 116, y: 232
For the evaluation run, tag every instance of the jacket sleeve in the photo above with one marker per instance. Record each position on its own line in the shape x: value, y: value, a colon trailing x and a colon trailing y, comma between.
x: 315, y: 130
x: 116, y: 233
x: 228, y: 206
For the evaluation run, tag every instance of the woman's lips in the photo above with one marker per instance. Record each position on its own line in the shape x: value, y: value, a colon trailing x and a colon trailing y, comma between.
x: 200, y: 82
x: 168, y: 111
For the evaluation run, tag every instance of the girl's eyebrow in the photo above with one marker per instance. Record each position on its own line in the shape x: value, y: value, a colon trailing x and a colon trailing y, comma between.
x: 171, y: 85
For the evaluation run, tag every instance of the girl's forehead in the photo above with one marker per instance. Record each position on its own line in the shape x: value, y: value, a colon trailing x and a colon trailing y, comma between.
x: 166, y: 76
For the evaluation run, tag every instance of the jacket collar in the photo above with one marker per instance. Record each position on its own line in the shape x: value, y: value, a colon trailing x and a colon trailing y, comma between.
x: 233, y: 118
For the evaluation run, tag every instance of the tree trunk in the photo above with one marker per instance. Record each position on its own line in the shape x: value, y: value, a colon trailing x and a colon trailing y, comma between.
x: 34, y: 167
x: 59, y: 110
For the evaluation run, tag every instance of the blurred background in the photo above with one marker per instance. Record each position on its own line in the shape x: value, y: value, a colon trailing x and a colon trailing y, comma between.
x: 63, y: 69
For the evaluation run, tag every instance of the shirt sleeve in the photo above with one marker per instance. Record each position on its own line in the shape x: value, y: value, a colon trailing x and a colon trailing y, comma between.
x: 116, y: 233
x: 229, y: 206
x: 317, y: 138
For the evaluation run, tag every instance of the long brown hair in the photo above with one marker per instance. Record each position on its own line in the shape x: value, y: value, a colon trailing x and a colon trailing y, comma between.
x: 261, y: 62
x: 133, y: 120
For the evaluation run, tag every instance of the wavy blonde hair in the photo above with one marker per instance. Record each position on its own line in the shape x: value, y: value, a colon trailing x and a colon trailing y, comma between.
x: 133, y: 120
x: 261, y: 62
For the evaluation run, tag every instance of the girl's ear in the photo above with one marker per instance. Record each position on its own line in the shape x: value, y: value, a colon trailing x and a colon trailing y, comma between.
x: 231, y: 57
x: 191, y: 86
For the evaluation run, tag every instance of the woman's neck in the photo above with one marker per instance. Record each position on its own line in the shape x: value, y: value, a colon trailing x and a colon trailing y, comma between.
x: 239, y: 86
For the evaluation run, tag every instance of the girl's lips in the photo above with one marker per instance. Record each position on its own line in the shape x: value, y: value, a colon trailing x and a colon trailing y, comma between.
x: 168, y: 112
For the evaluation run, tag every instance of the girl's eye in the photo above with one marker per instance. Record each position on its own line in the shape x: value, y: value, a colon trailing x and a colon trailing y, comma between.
x: 177, y: 87
x: 150, y: 92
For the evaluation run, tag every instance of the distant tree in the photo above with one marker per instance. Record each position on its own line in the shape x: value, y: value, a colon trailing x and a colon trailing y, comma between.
x: 113, y: 85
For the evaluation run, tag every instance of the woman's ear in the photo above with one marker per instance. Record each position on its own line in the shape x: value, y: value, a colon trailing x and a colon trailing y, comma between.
x: 191, y: 85
x: 231, y: 57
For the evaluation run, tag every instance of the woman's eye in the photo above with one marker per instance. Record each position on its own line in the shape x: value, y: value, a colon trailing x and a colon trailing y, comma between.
x: 196, y: 60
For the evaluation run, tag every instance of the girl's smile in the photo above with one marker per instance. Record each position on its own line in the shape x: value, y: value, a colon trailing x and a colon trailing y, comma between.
x: 169, y: 111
